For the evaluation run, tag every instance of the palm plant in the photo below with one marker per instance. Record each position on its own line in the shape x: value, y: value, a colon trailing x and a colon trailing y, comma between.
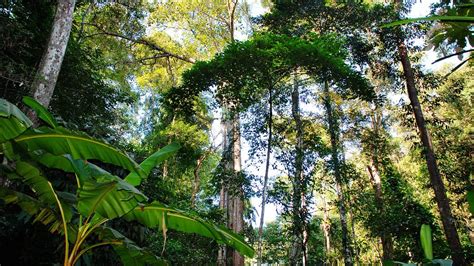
x: 97, y: 197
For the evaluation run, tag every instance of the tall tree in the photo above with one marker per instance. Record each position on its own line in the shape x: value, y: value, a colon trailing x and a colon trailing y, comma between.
x: 43, y: 85
x: 435, y: 177
x: 336, y: 167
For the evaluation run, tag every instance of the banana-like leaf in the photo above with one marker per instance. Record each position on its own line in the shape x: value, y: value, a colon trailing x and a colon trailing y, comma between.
x: 49, y: 160
x: 426, y: 244
x: 61, y: 141
x: 154, y: 214
x: 41, y: 186
x: 13, y: 122
x: 41, y: 111
x: 35, y: 208
x: 467, y: 19
x: 153, y: 161
x: 109, y: 196
x: 129, y: 252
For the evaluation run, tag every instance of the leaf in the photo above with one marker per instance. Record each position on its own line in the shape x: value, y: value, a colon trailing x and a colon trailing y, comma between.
x: 109, y: 196
x: 152, y: 215
x: 13, y: 122
x: 153, y: 161
x: 470, y: 200
x: 41, y: 186
x: 80, y: 146
x: 442, y: 262
x: 425, y: 237
x: 129, y: 253
x: 431, y: 18
x: 41, y: 111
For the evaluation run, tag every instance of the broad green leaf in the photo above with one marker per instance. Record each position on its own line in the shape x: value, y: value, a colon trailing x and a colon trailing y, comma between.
x: 109, y: 196
x: 53, y: 161
x: 442, y: 262
x: 152, y: 215
x: 426, y: 244
x: 8, y: 109
x: 466, y: 19
x: 27, y: 203
x: 470, y: 200
x: 129, y: 253
x: 34, y: 208
x: 41, y: 186
x: 80, y: 146
x: 403, y: 263
x: 13, y: 122
x: 153, y: 161
x: 41, y: 111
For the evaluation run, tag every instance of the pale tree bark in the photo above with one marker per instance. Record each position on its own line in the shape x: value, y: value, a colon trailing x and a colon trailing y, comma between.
x: 45, y: 79
x: 326, y: 226
x: 336, y: 165
x: 236, y: 197
x: 442, y: 200
x: 298, y: 249
x: 265, y: 178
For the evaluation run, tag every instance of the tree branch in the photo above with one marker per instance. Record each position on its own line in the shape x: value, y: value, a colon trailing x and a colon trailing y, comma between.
x: 143, y: 42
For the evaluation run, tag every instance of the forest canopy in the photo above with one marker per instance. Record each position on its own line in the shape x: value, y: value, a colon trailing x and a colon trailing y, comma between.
x: 236, y: 132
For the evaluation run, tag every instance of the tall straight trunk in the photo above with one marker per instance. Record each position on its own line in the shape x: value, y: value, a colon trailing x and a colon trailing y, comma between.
x: 236, y: 202
x: 331, y: 119
x: 385, y: 237
x: 326, y: 227
x: 435, y: 177
x: 265, y: 178
x: 224, y: 193
x: 298, y: 252
x: 45, y: 79
x: 197, y: 178
x: 375, y: 179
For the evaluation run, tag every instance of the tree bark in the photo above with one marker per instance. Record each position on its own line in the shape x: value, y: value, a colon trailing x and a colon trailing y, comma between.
x: 435, y: 177
x: 236, y: 198
x: 386, y: 238
x: 45, y: 79
x: 298, y: 251
x: 326, y: 226
x: 331, y: 120
x: 265, y: 178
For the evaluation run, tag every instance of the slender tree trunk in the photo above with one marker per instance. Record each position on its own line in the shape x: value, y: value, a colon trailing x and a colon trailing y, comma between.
x: 224, y: 193
x: 435, y: 177
x: 385, y: 237
x: 331, y: 119
x: 326, y: 227
x: 265, y: 178
x: 45, y: 79
x: 197, y: 178
x: 298, y: 215
x: 236, y: 197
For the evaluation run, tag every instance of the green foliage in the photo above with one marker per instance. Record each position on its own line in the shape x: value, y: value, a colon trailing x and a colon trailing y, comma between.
x: 98, y: 197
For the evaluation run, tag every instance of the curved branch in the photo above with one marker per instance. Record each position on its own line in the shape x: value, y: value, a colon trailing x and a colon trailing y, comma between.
x: 143, y: 41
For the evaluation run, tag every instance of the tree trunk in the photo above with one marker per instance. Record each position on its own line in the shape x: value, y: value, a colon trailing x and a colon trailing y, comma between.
x: 326, y: 227
x: 435, y: 177
x: 298, y: 213
x: 265, y: 178
x: 224, y: 193
x: 386, y: 238
x: 45, y: 79
x: 236, y: 198
x: 197, y: 179
x: 331, y: 120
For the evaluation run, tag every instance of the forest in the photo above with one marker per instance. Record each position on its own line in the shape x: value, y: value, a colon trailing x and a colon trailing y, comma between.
x: 236, y: 132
